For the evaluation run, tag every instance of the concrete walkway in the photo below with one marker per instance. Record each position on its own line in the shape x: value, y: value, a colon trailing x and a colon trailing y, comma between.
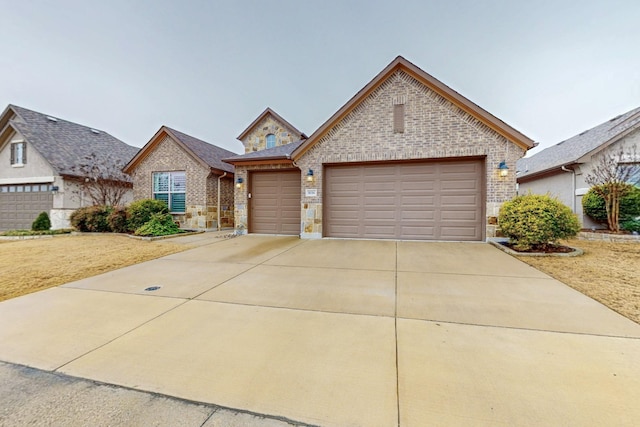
x: 339, y: 332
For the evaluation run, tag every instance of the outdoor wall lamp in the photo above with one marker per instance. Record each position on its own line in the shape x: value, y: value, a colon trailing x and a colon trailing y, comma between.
x: 55, y: 189
x: 239, y: 182
x: 310, y: 175
x: 503, y: 169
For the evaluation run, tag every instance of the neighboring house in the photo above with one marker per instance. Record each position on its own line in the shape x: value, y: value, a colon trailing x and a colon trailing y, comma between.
x: 39, y: 159
x: 560, y: 170
x: 406, y: 158
x: 189, y: 175
x: 269, y: 130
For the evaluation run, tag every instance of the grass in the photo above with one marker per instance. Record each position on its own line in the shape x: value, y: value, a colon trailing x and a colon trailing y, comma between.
x: 32, y: 265
x: 607, y: 272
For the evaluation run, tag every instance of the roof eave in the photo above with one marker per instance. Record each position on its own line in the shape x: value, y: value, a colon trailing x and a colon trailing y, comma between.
x: 443, y: 90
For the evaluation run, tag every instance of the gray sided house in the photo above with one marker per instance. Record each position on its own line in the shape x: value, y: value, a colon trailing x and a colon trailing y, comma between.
x: 189, y: 175
x: 406, y: 158
x: 40, y: 157
x: 560, y: 170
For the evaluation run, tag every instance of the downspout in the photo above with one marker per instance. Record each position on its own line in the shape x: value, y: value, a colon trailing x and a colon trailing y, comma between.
x: 573, y: 187
x: 219, y: 187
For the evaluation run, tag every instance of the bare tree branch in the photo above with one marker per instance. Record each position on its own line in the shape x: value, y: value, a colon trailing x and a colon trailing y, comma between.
x: 102, y: 180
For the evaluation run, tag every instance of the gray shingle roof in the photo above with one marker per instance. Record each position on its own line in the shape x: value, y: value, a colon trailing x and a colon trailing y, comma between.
x: 572, y: 149
x: 209, y: 153
x: 279, y: 152
x: 65, y: 144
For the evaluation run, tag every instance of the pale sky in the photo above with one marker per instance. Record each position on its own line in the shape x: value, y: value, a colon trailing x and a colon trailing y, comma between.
x: 551, y: 69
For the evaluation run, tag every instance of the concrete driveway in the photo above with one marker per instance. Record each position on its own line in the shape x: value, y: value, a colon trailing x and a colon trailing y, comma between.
x: 341, y: 333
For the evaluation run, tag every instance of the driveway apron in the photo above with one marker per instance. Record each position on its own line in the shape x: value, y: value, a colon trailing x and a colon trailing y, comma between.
x: 341, y: 333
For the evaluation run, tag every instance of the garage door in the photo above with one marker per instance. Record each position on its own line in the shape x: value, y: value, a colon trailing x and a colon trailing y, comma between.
x: 423, y: 201
x: 21, y: 204
x: 275, y: 202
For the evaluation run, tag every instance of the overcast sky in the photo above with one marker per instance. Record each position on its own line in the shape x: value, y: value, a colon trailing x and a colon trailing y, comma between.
x: 551, y: 69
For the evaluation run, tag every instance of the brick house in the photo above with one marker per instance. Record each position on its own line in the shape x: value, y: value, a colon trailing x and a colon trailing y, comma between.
x: 406, y: 158
x: 189, y: 175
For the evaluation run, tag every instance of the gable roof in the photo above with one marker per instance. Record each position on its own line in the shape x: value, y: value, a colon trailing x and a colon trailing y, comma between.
x: 432, y: 83
x: 281, y: 152
x: 276, y: 116
x: 63, y: 143
x: 575, y: 148
x: 206, y: 154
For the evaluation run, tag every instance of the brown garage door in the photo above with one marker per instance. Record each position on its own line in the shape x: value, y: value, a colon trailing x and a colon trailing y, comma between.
x: 423, y: 201
x: 21, y: 204
x: 275, y: 202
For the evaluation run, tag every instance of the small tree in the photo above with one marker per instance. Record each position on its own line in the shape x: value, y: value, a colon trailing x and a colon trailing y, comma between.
x: 42, y: 222
x: 102, y: 180
x: 610, y: 178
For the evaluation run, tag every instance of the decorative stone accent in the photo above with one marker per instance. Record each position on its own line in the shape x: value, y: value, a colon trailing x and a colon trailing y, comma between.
x: 257, y: 139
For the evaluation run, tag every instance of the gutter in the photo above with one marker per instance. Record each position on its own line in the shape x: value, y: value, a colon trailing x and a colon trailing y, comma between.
x: 573, y: 187
x: 219, y: 186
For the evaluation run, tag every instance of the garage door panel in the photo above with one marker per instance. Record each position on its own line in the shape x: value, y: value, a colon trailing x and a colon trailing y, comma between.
x: 427, y: 201
x: 18, y: 209
x: 275, y: 202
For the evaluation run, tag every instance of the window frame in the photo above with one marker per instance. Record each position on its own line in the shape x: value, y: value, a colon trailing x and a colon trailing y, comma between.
x: 22, y: 160
x: 174, y: 188
x: 273, y: 140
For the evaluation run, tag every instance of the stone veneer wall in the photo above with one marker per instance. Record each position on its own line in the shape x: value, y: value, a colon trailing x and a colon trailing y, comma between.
x: 202, y: 186
x: 434, y: 129
x: 284, y: 135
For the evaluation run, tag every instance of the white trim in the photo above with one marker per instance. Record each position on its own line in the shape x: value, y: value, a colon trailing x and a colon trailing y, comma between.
x: 30, y: 180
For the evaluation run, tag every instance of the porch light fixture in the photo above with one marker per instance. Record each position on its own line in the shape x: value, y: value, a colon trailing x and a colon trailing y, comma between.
x: 503, y: 169
x: 239, y: 182
x: 55, y: 189
x: 310, y: 175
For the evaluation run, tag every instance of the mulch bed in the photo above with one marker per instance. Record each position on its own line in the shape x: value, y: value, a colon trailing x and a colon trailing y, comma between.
x: 545, y: 249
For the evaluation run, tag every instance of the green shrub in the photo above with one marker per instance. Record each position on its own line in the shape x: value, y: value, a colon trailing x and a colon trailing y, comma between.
x: 118, y: 220
x: 92, y: 219
x: 631, y: 225
x: 593, y: 206
x: 42, y: 222
x: 160, y: 224
x: 140, y: 211
x: 533, y: 221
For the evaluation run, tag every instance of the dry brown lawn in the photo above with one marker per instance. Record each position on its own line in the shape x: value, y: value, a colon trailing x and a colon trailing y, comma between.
x: 32, y: 265
x: 607, y: 272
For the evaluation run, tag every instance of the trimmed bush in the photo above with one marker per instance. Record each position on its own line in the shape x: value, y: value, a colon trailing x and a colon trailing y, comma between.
x: 42, y: 222
x: 91, y: 219
x: 160, y: 224
x: 593, y: 205
x: 140, y: 212
x: 631, y: 225
x: 533, y: 221
x: 118, y: 220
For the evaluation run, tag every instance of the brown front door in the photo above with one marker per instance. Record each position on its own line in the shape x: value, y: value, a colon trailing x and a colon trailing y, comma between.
x: 439, y: 200
x: 275, y: 202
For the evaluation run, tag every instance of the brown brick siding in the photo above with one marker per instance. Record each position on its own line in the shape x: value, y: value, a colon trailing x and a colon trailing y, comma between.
x: 201, y: 185
x: 434, y: 128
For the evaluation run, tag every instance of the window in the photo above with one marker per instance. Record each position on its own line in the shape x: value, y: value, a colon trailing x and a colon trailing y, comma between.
x: 170, y: 187
x: 630, y: 172
x: 18, y: 153
x: 271, y: 140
